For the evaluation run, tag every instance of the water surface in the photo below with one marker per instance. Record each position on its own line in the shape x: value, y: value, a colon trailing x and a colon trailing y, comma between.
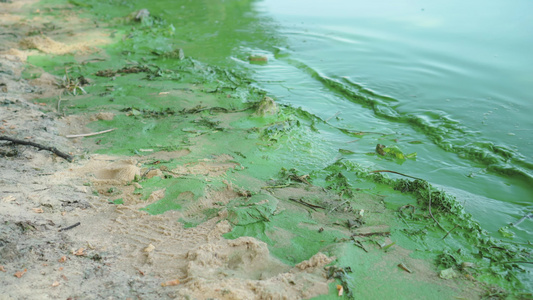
x: 449, y: 80
x: 454, y: 76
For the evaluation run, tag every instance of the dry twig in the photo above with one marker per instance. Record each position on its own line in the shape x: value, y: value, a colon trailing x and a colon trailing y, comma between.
x: 89, y: 134
x: 39, y: 146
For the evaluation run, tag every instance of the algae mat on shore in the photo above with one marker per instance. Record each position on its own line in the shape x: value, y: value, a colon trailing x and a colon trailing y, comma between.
x: 214, y: 153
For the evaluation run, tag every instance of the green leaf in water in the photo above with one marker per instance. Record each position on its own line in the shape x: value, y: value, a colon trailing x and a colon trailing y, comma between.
x: 505, y: 232
x: 344, y: 151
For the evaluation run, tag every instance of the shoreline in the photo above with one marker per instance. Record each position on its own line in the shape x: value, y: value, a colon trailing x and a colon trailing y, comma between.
x: 124, y: 248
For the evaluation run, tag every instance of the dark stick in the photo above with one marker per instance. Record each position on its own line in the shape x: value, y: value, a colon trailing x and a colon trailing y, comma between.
x: 360, y: 245
x: 311, y: 206
x: 70, y: 227
x: 381, y: 171
x: 41, y: 147
x: 372, y: 233
x: 450, y: 231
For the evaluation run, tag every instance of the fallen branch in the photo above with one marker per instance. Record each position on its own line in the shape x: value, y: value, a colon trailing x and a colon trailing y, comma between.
x: 311, y: 206
x: 359, y: 244
x: 89, y: 134
x: 41, y: 147
x: 383, y: 233
x: 450, y: 231
x: 276, y: 186
x: 70, y: 227
x: 381, y: 171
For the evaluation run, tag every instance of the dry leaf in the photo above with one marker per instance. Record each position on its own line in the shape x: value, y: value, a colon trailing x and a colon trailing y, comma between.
x: 60, y: 269
x: 171, y: 282
x: 2, y: 268
x: 20, y: 273
x: 62, y: 259
x: 340, y: 289
x: 79, y: 252
x: 56, y: 283
x: 38, y: 210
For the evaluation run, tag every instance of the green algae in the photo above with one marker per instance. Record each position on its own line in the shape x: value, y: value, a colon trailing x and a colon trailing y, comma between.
x: 257, y: 208
x: 171, y: 103
x: 378, y: 287
x: 179, y: 192
x: 289, y: 235
x: 453, y: 231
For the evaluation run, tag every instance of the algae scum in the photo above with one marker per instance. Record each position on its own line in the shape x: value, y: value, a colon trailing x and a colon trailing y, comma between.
x: 198, y: 128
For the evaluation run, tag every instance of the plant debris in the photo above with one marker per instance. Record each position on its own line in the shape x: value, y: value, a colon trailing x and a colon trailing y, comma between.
x: 19, y: 274
x: 341, y: 273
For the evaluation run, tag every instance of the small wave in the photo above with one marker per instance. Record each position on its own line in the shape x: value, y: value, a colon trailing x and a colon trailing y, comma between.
x: 445, y: 132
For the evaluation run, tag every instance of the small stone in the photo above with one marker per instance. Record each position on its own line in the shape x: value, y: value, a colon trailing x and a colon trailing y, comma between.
x: 142, y: 14
x: 448, y: 274
x: 150, y: 248
x: 267, y: 106
x: 258, y: 58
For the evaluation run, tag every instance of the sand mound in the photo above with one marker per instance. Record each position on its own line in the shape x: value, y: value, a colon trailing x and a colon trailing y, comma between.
x: 104, y: 169
x: 48, y: 45
x: 244, y: 269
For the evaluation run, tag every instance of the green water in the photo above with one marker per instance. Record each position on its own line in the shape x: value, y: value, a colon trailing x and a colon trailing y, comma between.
x: 452, y: 75
x: 361, y: 74
x: 450, y: 81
